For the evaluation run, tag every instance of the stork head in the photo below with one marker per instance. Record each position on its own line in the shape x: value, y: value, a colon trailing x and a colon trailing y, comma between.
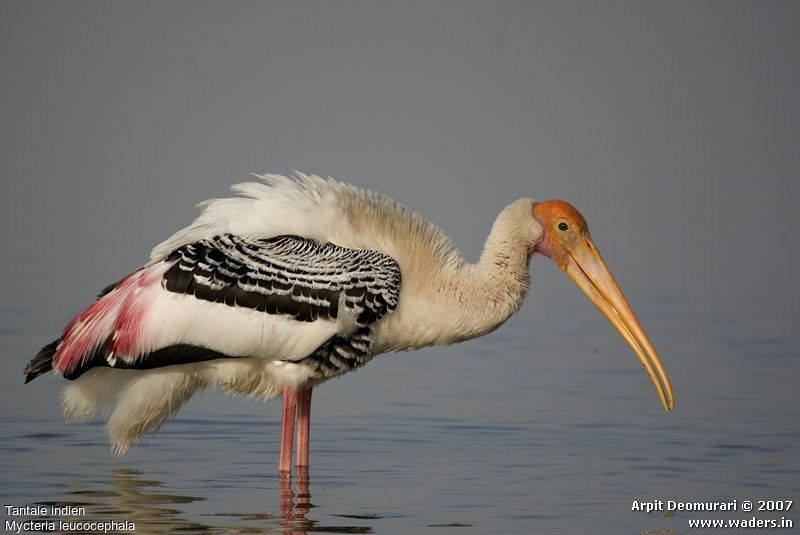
x: 565, y: 239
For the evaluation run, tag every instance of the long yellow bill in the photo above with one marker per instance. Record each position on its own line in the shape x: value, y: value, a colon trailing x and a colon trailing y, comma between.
x: 585, y: 266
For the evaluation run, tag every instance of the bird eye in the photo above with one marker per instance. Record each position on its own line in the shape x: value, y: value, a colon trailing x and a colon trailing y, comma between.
x: 563, y: 226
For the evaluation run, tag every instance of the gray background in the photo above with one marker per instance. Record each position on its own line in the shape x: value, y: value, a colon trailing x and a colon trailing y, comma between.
x: 673, y: 127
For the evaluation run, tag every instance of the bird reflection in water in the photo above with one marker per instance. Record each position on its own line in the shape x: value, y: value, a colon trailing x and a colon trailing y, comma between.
x: 128, y: 496
x: 295, y: 507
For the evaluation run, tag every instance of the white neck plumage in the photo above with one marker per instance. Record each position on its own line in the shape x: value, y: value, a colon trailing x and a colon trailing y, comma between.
x: 458, y: 302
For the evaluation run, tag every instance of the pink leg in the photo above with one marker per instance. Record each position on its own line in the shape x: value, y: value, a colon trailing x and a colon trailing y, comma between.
x: 287, y: 428
x: 303, y: 425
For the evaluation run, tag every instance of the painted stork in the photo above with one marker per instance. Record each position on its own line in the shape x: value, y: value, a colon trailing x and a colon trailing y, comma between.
x: 301, y: 279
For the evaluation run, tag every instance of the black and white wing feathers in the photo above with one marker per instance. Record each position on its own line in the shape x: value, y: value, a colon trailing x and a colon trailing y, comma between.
x: 285, y: 298
x: 287, y: 275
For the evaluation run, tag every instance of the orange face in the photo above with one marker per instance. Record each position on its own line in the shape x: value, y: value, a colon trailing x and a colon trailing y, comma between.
x: 556, y: 211
x: 563, y: 227
x: 566, y: 240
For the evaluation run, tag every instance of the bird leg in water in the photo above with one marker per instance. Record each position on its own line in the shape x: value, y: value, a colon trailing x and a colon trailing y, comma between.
x: 287, y: 428
x: 296, y: 405
x: 303, y: 426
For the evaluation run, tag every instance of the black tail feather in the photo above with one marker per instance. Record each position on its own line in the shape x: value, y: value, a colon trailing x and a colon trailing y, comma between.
x: 42, y: 362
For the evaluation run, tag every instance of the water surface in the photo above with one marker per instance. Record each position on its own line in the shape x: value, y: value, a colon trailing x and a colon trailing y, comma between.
x: 545, y: 426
